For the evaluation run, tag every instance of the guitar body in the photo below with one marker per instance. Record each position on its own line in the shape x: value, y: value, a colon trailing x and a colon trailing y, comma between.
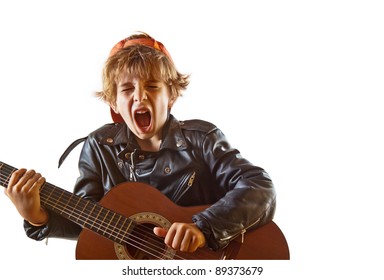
x: 149, y: 207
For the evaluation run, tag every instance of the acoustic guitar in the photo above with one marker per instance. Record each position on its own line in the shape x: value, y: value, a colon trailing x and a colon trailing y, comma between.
x: 121, y: 225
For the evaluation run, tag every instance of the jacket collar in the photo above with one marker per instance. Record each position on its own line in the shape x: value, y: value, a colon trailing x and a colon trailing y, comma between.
x: 173, y: 137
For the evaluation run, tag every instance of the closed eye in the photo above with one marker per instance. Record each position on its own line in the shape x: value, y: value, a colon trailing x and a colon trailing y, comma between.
x: 127, y: 90
x: 152, y: 87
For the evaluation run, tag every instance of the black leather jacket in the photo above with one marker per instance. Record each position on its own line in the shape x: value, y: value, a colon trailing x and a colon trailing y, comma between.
x: 195, y: 166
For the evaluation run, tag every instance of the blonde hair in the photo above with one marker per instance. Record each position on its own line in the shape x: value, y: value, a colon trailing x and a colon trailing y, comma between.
x: 144, y: 62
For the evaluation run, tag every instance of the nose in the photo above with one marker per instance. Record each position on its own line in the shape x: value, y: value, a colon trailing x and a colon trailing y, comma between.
x: 140, y: 94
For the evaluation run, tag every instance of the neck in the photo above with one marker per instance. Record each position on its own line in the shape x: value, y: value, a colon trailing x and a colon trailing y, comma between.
x: 149, y: 145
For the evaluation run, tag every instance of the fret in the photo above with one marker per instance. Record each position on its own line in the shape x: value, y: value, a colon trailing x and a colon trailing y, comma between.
x: 97, y: 217
x: 115, y: 229
x: 89, y: 215
x: 6, y: 176
x: 75, y: 207
x: 127, y: 228
x: 110, y: 224
x: 110, y: 221
x: 43, y: 187
x: 117, y: 222
x: 58, y: 199
x: 102, y: 222
x: 46, y: 199
x: 66, y: 204
x: 83, y: 212
x: 1, y: 176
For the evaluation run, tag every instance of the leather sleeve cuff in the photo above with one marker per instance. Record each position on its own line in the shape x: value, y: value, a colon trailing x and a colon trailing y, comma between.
x: 205, y: 228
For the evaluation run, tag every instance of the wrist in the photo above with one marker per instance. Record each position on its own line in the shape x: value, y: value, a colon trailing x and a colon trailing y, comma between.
x: 42, y: 221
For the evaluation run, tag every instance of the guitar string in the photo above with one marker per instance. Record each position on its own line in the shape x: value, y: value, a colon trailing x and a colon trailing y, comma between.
x: 156, y: 246
x: 5, y: 179
x: 105, y: 229
x: 130, y: 239
x: 140, y: 228
x: 143, y: 230
x: 102, y: 227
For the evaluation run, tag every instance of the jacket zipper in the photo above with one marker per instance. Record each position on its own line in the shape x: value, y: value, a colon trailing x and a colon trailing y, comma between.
x: 242, y: 232
x: 185, y: 186
x: 132, y: 176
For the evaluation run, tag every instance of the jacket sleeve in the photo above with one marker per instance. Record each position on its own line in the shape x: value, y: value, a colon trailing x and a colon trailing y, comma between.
x: 249, y: 200
x: 57, y: 227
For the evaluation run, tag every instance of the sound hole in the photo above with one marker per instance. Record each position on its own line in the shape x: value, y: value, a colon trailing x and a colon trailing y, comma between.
x: 142, y: 243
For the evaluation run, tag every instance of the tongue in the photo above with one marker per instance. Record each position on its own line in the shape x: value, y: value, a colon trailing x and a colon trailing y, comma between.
x: 143, y: 120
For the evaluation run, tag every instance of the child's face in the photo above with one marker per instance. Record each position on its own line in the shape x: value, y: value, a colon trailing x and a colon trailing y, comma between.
x: 144, y: 105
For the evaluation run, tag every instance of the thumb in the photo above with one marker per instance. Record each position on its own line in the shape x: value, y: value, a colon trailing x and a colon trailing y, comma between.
x: 159, y: 231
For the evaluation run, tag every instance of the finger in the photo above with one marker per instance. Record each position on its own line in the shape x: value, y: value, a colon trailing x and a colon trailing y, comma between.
x: 178, y: 238
x: 37, y: 184
x: 30, y: 178
x: 194, y: 244
x: 14, y: 182
x: 169, y: 238
x: 34, y: 180
x: 23, y: 180
x: 185, y: 245
x: 159, y: 231
x: 29, y: 175
x: 15, y: 177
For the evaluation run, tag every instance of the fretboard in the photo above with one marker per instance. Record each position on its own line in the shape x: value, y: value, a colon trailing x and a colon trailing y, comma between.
x: 86, y: 213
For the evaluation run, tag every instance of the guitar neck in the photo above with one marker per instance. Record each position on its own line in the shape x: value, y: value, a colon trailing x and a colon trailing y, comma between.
x: 85, y: 213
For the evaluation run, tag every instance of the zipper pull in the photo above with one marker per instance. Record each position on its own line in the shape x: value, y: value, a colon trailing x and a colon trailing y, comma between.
x: 132, y: 176
x: 191, y: 179
x: 242, y: 235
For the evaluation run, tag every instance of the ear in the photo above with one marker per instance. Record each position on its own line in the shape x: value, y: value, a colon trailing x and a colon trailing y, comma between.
x: 171, y: 101
x: 114, y: 107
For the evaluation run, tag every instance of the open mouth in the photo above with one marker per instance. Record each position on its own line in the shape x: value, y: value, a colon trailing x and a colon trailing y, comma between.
x: 143, y: 118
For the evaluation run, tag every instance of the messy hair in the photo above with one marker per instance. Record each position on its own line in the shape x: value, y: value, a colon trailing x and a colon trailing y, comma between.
x: 144, y: 63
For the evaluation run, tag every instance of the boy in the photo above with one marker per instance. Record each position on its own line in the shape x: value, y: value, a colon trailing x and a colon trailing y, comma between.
x: 190, y: 162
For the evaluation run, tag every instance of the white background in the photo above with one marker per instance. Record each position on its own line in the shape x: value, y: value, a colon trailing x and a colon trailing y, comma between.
x: 295, y: 85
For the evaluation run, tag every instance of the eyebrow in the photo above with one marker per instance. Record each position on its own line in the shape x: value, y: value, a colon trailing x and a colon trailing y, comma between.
x: 153, y: 81
x: 147, y: 81
x: 125, y: 84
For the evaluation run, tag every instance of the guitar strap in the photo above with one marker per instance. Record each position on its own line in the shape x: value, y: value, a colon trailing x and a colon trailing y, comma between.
x: 69, y: 149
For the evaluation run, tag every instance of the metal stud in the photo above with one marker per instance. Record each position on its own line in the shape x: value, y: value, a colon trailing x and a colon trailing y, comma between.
x: 179, y: 143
